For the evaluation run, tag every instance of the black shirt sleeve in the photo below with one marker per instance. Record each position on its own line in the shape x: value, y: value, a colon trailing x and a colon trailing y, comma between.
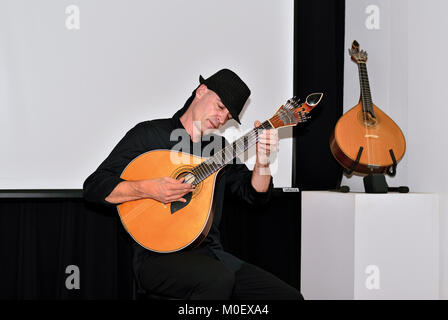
x: 238, y: 180
x: 107, y: 176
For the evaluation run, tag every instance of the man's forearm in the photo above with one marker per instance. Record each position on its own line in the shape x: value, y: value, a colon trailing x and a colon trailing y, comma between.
x: 125, y: 191
x: 164, y: 189
x: 261, y: 177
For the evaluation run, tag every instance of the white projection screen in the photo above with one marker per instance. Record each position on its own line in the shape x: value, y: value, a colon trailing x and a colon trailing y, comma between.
x: 75, y: 76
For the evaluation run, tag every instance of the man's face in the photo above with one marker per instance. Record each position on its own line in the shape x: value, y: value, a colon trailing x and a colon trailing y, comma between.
x: 212, y: 113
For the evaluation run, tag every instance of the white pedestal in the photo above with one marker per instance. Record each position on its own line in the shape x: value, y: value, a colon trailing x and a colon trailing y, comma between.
x: 370, y: 246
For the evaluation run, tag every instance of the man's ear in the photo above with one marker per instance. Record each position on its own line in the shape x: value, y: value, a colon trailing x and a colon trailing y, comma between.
x: 201, y: 91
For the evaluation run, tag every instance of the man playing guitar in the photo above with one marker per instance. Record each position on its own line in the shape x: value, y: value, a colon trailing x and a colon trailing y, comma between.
x: 205, y: 271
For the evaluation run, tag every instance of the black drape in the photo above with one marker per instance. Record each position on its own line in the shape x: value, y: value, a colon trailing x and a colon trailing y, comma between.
x: 318, y: 67
x: 40, y: 238
x: 267, y: 236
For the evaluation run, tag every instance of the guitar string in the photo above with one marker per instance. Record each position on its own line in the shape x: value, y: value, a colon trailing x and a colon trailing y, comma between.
x: 249, y: 138
x: 209, y: 166
x: 235, y: 149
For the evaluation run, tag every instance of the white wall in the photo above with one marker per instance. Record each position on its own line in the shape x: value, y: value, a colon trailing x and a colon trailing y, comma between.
x: 407, y: 69
x: 68, y: 95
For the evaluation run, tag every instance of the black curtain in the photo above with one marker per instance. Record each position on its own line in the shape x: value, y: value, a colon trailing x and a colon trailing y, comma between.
x: 318, y: 67
x: 267, y: 236
x: 40, y: 238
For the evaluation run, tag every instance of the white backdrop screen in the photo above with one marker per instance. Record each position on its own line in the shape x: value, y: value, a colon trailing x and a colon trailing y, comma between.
x: 75, y: 76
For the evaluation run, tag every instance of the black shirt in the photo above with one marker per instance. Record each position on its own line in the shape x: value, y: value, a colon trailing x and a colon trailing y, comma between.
x: 156, y: 134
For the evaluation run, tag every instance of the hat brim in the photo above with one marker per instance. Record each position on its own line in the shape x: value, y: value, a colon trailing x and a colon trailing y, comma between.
x: 234, y: 116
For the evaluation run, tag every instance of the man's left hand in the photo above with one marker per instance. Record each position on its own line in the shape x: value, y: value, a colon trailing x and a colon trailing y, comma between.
x: 267, y: 144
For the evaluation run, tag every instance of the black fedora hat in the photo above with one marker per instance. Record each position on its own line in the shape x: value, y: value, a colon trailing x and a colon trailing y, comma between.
x: 232, y: 91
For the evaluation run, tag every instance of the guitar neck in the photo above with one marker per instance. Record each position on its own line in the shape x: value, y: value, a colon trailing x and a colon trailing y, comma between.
x: 366, y: 96
x: 227, y: 154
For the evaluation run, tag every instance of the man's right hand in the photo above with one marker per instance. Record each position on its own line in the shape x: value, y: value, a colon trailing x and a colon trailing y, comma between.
x: 165, y: 189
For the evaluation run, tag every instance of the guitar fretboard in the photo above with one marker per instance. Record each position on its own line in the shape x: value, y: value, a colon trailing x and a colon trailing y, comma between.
x: 227, y: 154
x: 365, y: 89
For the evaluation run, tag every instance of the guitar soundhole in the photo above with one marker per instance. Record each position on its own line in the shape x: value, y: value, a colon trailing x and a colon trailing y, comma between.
x: 189, y: 178
x: 185, y: 172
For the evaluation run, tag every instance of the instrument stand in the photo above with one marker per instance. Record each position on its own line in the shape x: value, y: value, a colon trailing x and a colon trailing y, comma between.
x: 345, y: 189
x: 392, y: 170
x: 376, y: 182
x: 352, y: 168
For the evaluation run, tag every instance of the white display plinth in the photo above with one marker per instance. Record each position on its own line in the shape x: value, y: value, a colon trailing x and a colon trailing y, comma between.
x: 369, y: 246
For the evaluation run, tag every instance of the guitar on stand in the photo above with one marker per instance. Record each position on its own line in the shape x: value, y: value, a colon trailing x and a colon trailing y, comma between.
x: 365, y: 140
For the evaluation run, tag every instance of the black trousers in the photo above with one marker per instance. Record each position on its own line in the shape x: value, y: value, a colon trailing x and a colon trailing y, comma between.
x: 201, y: 276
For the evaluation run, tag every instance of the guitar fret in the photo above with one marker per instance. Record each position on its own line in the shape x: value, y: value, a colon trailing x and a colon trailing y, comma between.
x: 238, y: 148
x: 223, y: 154
x: 214, y: 164
x: 198, y: 172
x: 235, y: 149
x: 222, y: 157
x: 215, y: 161
x: 229, y: 153
x: 194, y: 171
x: 246, y: 142
x: 207, y: 169
x: 210, y: 166
x: 202, y: 171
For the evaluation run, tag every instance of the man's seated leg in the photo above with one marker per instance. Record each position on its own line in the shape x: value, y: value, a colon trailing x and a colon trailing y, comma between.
x: 187, y: 275
x: 254, y: 283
